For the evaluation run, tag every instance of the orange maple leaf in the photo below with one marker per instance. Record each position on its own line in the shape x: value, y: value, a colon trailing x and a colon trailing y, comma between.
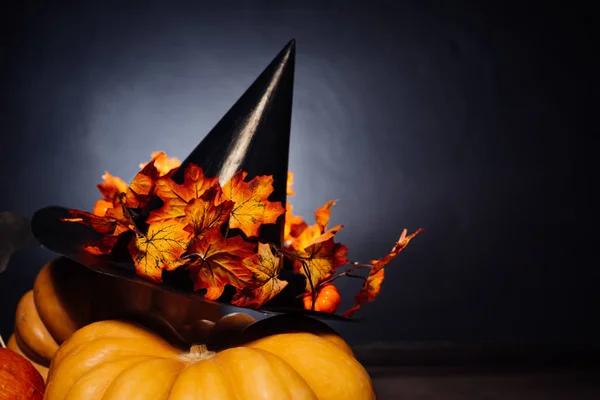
x: 373, y: 282
x: 251, y: 209
x: 220, y: 262
x: 294, y: 225
x: 304, y: 235
x: 102, y: 206
x: 319, y: 261
x: 265, y: 283
x: 163, y: 163
x: 290, y: 184
x: 102, y: 246
x: 143, y: 186
x: 369, y: 291
x: 101, y: 224
x: 111, y: 186
x: 115, y: 221
x: 398, y: 247
x: 323, y: 214
x: 205, y: 213
x: 160, y: 249
x: 177, y: 196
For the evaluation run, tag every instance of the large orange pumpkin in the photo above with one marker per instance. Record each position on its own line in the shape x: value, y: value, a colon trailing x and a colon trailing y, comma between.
x: 67, y: 296
x: 116, y: 359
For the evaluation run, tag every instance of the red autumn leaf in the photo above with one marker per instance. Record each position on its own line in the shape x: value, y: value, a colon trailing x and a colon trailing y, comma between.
x: 205, y: 213
x: 252, y: 207
x: 177, y: 196
x: 102, y: 246
x: 160, y: 249
x: 163, y: 163
x: 373, y: 282
x: 220, y: 262
x: 104, y: 225
x: 265, y: 283
x: 111, y: 225
x: 369, y: 291
x: 319, y: 261
x: 116, y: 220
x: 398, y: 247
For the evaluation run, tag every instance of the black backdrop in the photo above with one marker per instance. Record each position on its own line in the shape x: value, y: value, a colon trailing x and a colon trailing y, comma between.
x: 466, y: 120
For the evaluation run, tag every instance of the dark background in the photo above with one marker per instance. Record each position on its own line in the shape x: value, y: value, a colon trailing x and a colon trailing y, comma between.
x: 464, y: 119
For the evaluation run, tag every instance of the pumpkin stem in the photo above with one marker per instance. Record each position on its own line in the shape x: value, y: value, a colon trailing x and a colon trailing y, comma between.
x: 197, y: 353
x: 2, y: 342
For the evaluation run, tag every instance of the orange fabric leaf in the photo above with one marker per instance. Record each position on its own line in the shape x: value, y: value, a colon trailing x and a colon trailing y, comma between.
x: 251, y: 209
x: 312, y: 235
x: 398, y: 247
x: 142, y: 187
x: 204, y: 214
x: 103, y: 246
x: 320, y: 260
x: 111, y: 225
x: 160, y: 249
x: 265, y: 283
x: 220, y: 262
x: 302, y: 235
x: 369, y: 291
x: 163, y: 163
x: 101, y: 207
x: 373, y: 282
x: 104, y: 225
x: 323, y: 214
x: 294, y: 225
x: 177, y: 196
x: 112, y: 186
x: 290, y: 184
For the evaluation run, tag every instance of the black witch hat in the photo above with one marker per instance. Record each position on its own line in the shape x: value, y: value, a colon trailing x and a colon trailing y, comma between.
x: 254, y: 136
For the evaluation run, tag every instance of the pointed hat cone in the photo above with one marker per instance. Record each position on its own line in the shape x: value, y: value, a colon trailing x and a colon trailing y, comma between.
x: 254, y: 135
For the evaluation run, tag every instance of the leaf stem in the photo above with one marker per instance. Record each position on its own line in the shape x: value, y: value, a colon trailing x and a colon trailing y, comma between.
x: 312, y: 287
x: 349, y: 272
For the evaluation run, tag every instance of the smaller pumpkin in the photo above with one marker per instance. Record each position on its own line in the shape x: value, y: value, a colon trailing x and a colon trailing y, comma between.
x: 116, y: 359
x: 328, y: 299
x: 67, y: 296
x: 19, y: 379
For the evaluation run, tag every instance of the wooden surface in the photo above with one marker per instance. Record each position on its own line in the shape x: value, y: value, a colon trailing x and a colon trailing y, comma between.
x: 446, y: 371
x: 429, y: 384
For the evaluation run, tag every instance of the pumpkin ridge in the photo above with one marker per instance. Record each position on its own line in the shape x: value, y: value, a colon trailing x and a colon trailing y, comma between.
x: 32, y: 330
x: 98, y: 331
x: 277, y: 372
x: 101, y: 366
x: 14, y: 346
x: 30, y: 354
x: 111, y: 347
x: 233, y: 383
x: 132, y: 370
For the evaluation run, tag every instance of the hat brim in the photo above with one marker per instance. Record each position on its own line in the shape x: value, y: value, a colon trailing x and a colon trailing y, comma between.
x: 69, y: 239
